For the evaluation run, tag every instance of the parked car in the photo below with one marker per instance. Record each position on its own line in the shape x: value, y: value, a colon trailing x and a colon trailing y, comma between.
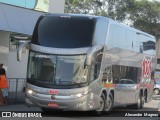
x: 156, y: 90
x: 126, y: 81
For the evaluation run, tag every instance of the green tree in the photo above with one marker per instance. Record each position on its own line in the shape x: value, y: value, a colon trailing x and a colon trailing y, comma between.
x: 146, y: 17
x: 115, y: 9
x: 95, y: 7
x: 142, y: 14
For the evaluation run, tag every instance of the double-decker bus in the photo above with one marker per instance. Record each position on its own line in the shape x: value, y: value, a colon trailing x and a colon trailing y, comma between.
x: 84, y: 62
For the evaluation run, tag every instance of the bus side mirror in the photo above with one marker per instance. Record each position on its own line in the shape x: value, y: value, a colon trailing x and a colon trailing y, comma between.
x: 88, y: 61
x: 19, y: 51
x: 92, y: 50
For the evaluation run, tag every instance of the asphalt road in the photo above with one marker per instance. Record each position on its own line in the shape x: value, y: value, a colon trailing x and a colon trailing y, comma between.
x: 116, y: 114
x: 149, y: 108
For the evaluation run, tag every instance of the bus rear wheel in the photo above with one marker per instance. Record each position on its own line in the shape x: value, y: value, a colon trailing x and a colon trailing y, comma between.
x: 140, y: 102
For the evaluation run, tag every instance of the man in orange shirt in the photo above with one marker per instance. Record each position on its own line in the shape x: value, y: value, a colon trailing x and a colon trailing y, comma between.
x: 3, y: 84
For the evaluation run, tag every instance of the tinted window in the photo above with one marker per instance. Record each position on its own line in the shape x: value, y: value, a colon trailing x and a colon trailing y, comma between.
x: 64, y: 32
x: 149, y: 45
x: 126, y: 74
x: 125, y: 38
x: 96, y: 65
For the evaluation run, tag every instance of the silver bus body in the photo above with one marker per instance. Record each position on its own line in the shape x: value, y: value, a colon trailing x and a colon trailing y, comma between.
x: 117, y: 65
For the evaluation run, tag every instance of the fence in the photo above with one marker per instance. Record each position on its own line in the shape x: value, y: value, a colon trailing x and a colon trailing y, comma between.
x: 16, y: 90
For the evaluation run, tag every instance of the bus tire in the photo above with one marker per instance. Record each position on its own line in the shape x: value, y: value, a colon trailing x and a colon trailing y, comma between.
x: 140, y: 102
x: 109, y: 105
x: 101, y: 105
x: 145, y: 96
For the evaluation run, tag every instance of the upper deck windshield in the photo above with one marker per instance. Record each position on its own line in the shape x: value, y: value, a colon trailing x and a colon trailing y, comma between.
x: 64, y: 31
x: 54, y: 70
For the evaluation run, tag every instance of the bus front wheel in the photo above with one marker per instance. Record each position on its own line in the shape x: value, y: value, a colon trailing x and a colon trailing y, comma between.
x: 101, y: 105
x: 109, y: 103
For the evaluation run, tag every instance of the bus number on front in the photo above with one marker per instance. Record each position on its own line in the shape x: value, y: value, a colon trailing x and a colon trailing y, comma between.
x: 53, y: 92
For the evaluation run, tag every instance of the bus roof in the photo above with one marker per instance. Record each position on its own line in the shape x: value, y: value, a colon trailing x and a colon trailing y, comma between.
x: 111, y: 21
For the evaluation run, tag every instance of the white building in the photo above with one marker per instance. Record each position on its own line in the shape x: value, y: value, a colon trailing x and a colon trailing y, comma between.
x: 17, y: 21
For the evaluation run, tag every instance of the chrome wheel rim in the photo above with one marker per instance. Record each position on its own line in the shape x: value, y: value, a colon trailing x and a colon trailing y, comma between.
x: 101, y: 105
x: 139, y: 103
x: 108, y: 105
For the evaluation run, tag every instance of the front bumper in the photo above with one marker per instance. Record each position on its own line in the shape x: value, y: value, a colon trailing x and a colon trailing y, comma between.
x: 76, y: 104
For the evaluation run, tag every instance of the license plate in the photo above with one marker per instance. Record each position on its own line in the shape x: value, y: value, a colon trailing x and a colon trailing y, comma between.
x: 52, y: 105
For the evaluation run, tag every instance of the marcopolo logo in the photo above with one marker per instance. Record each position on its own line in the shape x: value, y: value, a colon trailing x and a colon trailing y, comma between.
x: 146, y: 67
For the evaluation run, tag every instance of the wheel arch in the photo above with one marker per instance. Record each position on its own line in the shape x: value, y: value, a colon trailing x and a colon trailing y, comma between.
x: 141, y: 92
x: 107, y: 93
x: 111, y: 91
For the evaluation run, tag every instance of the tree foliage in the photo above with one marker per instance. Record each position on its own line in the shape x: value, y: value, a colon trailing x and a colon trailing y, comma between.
x: 142, y: 14
x: 147, y: 17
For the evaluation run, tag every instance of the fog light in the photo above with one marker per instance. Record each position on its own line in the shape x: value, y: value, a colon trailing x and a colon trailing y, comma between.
x: 91, y: 104
x: 80, y: 104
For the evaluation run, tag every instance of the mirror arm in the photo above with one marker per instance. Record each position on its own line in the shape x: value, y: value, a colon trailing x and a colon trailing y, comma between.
x: 19, y: 51
x: 91, y: 52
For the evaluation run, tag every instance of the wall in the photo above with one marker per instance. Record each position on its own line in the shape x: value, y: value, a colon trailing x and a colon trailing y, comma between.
x: 56, y: 6
x: 14, y: 68
x: 4, y: 48
x: 17, y: 69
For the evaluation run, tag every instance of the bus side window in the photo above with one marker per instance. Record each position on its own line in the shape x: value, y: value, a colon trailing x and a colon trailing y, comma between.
x: 107, y: 75
x: 116, y: 74
x: 152, y: 78
x: 96, y: 70
x: 96, y: 64
x: 152, y: 75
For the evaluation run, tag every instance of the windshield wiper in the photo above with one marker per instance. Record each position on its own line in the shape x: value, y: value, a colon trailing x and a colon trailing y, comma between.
x: 44, y: 82
x: 78, y: 84
x: 72, y: 83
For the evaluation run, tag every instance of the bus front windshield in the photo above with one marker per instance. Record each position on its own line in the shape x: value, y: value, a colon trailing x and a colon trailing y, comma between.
x: 56, y: 70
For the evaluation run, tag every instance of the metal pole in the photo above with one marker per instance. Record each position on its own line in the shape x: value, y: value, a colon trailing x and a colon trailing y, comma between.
x: 16, y: 88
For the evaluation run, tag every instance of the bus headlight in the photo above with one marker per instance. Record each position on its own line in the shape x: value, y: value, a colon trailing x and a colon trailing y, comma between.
x: 77, y: 95
x: 80, y: 94
x: 29, y: 91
